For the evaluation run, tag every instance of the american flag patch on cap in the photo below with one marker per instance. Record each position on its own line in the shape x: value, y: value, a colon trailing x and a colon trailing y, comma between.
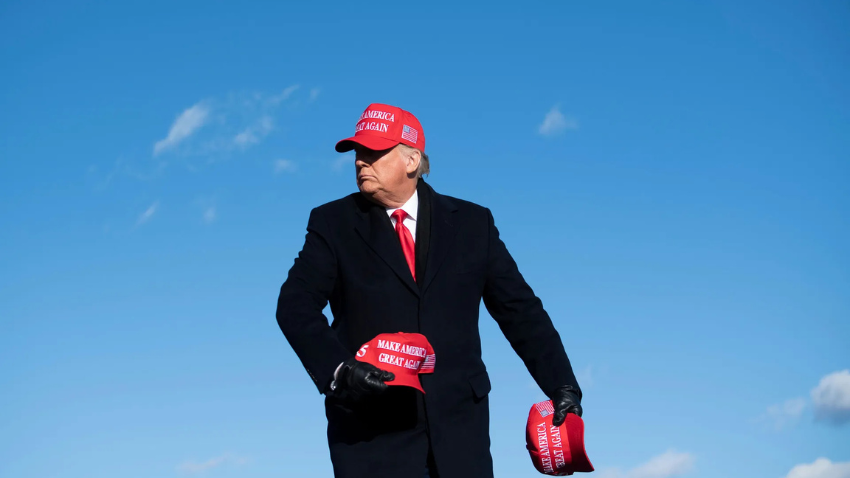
x: 428, y: 364
x: 545, y: 408
x: 409, y: 134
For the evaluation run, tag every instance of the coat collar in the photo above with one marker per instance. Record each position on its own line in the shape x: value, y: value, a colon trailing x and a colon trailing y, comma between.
x: 376, y: 229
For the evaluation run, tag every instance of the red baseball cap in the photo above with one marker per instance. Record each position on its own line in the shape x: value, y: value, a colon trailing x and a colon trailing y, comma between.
x: 384, y: 126
x: 556, y: 451
x: 405, y: 355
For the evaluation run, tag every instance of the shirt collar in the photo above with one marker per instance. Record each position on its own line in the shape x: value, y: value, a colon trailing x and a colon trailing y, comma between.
x: 411, y: 207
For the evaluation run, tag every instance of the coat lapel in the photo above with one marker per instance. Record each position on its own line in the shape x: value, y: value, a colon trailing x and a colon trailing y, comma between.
x: 423, y: 231
x: 443, y: 231
x: 376, y: 229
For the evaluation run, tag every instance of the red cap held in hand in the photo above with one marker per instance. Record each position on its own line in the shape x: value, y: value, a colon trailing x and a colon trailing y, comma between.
x: 556, y: 451
x: 384, y: 126
x: 405, y: 355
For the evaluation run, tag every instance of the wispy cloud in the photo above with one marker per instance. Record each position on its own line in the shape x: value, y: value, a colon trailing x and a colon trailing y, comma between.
x: 342, y: 162
x: 101, y: 177
x: 235, y: 122
x: 669, y: 463
x: 254, y: 133
x: 210, y: 215
x: 197, y: 467
x: 666, y: 465
x: 781, y: 415
x: 556, y: 123
x: 831, y: 398
x: 209, y: 131
x: 186, y: 124
x: 207, y: 208
x: 285, y: 166
x: 820, y: 468
x: 283, y: 95
x: 148, y: 214
x: 193, y: 467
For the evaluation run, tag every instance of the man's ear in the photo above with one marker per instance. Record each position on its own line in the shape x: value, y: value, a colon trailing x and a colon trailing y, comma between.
x: 412, y: 160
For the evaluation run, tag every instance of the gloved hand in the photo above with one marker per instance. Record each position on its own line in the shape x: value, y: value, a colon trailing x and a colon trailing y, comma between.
x: 358, y: 380
x: 567, y: 399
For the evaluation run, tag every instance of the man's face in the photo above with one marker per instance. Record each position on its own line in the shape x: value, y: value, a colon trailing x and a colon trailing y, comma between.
x: 384, y: 176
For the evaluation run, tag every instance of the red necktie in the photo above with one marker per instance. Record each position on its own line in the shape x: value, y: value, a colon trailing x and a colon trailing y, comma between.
x: 406, y: 239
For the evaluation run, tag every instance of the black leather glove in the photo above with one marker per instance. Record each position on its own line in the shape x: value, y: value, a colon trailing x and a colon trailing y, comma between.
x: 357, y: 380
x: 567, y: 399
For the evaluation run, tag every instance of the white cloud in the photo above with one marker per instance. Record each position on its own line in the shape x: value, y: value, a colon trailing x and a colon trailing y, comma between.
x: 831, y: 398
x: 669, y: 463
x: 212, y: 130
x: 184, y: 126
x: 609, y: 473
x: 556, y: 123
x: 207, y: 207
x: 285, y: 166
x: 820, y: 468
x: 283, y: 95
x: 342, y: 162
x: 666, y: 465
x: 210, y: 215
x: 254, y: 133
x: 103, y: 177
x: 148, y: 214
x: 245, y: 138
x: 193, y: 467
x: 784, y: 414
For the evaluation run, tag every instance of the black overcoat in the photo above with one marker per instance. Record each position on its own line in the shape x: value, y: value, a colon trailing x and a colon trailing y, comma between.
x: 352, y: 258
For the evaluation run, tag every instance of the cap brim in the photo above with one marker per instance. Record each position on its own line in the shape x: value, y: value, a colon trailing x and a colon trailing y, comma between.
x: 575, y: 436
x: 371, y: 142
x: 407, y: 381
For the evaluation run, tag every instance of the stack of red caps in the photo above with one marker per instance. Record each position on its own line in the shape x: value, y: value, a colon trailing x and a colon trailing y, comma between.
x: 405, y: 355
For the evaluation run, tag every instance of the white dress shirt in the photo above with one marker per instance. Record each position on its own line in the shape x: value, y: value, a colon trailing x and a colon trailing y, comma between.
x: 410, y: 207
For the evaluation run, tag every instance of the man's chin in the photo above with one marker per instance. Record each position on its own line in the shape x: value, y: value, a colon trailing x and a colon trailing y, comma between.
x: 367, y: 187
x: 373, y: 194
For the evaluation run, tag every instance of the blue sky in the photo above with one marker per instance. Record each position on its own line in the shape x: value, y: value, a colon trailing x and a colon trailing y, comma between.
x: 671, y: 178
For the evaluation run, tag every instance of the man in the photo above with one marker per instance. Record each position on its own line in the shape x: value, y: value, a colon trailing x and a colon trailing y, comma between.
x: 399, y: 257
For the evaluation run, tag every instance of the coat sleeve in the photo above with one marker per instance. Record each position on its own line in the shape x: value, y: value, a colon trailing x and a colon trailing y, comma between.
x: 520, y: 315
x: 302, y: 298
